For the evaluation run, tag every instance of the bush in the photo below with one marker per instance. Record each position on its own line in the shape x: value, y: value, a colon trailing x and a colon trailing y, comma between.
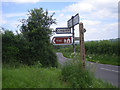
x: 73, y: 73
x: 33, y: 43
x: 36, y: 30
x: 97, y: 47
x: 9, y: 50
x: 16, y: 49
x: 102, y: 47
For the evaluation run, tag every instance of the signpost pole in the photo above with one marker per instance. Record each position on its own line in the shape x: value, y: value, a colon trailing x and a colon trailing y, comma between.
x: 82, y: 47
x: 73, y: 37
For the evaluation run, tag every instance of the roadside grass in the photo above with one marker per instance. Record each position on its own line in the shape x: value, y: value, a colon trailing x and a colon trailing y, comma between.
x: 67, y: 54
x: 103, y: 58
x: 77, y: 77
x: 73, y: 73
x: 32, y: 77
x: 0, y: 77
x: 69, y: 76
x: 98, y: 83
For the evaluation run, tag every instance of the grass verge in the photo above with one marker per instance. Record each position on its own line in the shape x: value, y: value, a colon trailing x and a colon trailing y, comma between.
x: 103, y: 58
x: 77, y: 77
x: 32, y: 77
x: 69, y: 76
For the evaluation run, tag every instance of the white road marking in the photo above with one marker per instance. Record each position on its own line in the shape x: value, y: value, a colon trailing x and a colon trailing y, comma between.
x: 110, y: 65
x: 109, y: 70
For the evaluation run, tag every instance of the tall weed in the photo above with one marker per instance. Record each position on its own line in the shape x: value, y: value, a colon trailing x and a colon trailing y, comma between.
x: 78, y: 77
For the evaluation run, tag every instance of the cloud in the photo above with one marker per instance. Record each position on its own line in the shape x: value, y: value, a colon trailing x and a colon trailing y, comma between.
x: 9, y: 15
x: 12, y: 24
x: 91, y: 22
x: 94, y: 8
x: 15, y: 24
x: 35, y: 1
x: 2, y: 21
x: 22, y: 1
x: 98, y: 16
x: 102, y: 31
x: 79, y: 7
x: 5, y: 19
x: 61, y: 20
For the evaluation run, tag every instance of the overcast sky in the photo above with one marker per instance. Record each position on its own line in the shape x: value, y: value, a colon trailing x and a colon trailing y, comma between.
x: 100, y: 17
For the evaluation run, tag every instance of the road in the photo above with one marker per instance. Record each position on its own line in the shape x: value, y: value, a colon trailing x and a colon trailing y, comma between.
x: 103, y: 71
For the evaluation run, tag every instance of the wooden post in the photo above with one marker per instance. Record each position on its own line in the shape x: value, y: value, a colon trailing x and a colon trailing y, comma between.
x: 82, y: 47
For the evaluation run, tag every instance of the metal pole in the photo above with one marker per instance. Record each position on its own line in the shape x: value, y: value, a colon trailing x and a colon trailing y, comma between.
x: 73, y: 37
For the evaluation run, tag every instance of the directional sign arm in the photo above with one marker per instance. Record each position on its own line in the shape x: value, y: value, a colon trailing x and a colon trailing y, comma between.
x: 73, y: 21
x: 53, y: 40
x: 62, y: 40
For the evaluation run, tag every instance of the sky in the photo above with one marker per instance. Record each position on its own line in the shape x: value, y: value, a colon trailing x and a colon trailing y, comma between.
x: 99, y: 17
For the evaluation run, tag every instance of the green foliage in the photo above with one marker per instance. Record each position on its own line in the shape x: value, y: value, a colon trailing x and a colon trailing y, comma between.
x: 37, y: 77
x: 32, y: 77
x: 104, y: 58
x: 77, y: 77
x: 36, y: 30
x: 9, y: 48
x: 104, y: 51
x: 14, y: 48
x: 33, y: 43
x: 102, y: 47
x: 97, y: 47
x: 73, y: 73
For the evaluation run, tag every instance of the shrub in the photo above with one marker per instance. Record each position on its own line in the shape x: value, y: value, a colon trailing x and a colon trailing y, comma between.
x: 73, y: 73
x: 33, y: 43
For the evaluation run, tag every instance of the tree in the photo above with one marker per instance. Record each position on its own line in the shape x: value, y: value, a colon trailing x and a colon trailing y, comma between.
x: 9, y: 50
x: 36, y: 30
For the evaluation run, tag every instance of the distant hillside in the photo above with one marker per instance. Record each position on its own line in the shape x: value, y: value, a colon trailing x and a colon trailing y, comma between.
x: 114, y: 40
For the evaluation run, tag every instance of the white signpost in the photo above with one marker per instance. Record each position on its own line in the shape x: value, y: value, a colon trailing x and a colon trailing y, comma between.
x: 62, y: 40
x: 63, y: 30
x: 71, y: 23
x: 67, y: 40
x: 75, y: 21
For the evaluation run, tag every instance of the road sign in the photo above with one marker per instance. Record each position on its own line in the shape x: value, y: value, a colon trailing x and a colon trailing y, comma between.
x: 77, y: 38
x: 73, y: 21
x: 63, y: 40
x: 64, y: 30
x: 69, y: 23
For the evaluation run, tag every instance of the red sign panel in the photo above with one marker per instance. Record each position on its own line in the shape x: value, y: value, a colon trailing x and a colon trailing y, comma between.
x: 62, y: 40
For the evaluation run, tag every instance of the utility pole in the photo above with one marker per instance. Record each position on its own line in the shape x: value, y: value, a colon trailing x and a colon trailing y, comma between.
x: 82, y: 47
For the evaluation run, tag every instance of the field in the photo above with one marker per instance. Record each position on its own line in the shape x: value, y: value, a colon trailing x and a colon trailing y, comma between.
x: 70, y: 76
x: 105, y: 52
x: 32, y: 77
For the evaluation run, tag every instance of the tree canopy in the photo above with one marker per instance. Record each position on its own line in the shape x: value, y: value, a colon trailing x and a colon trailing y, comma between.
x: 33, y: 43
